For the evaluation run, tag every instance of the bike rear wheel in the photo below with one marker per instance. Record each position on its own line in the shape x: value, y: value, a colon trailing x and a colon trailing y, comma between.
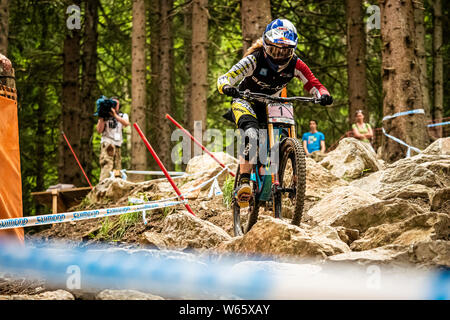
x: 292, y: 178
x: 251, y: 211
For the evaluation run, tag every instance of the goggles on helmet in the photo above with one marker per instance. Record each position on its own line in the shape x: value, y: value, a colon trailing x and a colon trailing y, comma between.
x: 278, y: 53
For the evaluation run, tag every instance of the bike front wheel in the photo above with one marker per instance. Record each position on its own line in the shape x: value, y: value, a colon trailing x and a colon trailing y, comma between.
x: 289, y: 202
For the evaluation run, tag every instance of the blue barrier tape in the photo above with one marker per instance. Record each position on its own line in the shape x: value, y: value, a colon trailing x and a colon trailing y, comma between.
x: 440, y: 286
x: 408, y: 153
x: 438, y: 124
x: 404, y: 113
x: 169, y: 274
x: 181, y: 275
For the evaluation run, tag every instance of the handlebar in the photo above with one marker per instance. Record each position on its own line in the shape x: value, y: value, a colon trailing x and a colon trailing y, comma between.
x: 267, y: 98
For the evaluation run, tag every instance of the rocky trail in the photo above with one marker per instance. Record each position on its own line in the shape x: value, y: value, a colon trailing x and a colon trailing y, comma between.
x: 358, y: 210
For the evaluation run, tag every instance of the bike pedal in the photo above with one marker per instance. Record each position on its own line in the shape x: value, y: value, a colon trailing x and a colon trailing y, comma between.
x: 243, y: 204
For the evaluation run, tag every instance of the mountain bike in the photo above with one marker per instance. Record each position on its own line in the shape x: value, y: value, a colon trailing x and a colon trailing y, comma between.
x: 279, y: 186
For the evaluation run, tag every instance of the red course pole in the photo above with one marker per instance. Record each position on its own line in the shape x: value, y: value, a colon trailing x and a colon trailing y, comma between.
x: 160, y: 164
x: 77, y: 160
x: 198, y: 143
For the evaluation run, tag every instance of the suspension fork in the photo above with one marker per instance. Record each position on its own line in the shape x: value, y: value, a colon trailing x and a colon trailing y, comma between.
x: 275, y: 179
x: 292, y: 132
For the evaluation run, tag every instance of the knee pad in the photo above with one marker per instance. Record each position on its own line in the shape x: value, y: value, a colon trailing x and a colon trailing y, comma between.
x: 249, y: 147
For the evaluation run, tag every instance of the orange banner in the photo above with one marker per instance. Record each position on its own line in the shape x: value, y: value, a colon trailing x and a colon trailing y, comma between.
x: 10, y: 178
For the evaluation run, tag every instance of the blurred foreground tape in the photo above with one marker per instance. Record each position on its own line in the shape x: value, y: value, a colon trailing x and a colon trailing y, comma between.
x: 10, y: 179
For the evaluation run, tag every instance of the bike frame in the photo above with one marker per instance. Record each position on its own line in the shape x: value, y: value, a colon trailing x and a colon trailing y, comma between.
x: 267, y: 185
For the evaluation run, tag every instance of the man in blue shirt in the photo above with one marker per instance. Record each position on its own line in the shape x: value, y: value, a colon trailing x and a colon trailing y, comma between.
x: 313, y: 140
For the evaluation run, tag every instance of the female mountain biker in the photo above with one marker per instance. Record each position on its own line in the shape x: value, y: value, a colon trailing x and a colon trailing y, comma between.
x: 266, y: 68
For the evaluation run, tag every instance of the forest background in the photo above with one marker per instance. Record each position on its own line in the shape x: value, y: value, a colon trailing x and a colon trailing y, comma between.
x: 164, y: 56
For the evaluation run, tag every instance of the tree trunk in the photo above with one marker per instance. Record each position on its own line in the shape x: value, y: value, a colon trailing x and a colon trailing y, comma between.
x: 68, y: 170
x: 4, y: 26
x: 438, y: 66
x: 89, y: 93
x: 185, y: 118
x: 138, y: 93
x: 164, y: 105
x: 152, y: 115
x: 187, y: 41
x: 401, y: 80
x: 40, y: 145
x: 255, y: 15
x: 199, y: 65
x: 422, y: 55
x: 356, y: 60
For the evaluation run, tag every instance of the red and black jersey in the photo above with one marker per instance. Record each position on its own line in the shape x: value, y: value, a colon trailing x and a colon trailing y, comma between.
x: 254, y: 73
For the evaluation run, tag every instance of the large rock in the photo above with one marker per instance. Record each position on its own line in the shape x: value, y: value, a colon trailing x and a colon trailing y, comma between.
x: 48, y: 295
x: 336, y: 204
x: 374, y: 214
x: 432, y: 171
x: 203, y: 168
x: 110, y: 190
x: 270, y: 236
x: 205, y: 162
x: 320, y: 181
x: 126, y: 295
x: 351, y: 159
x: 440, y: 146
x: 412, y: 191
x: 440, y: 200
x: 416, y: 229
x: 182, y: 231
x: 428, y: 254
x: 117, y: 191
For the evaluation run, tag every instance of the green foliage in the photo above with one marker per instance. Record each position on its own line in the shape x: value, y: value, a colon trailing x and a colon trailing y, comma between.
x: 85, y: 202
x: 36, y: 36
x: 228, y: 187
x: 114, y: 231
x: 104, y: 232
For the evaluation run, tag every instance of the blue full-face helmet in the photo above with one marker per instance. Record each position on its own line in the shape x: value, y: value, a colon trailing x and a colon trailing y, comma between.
x: 279, y: 41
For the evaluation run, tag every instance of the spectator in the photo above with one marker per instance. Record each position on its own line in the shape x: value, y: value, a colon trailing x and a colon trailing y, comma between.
x: 111, y: 130
x: 313, y: 141
x: 361, y: 130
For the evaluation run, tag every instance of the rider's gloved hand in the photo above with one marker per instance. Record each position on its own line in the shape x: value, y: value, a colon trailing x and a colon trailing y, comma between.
x: 230, y: 91
x: 326, y: 99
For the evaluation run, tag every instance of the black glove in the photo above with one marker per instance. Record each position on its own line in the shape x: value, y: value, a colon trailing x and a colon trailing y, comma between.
x: 326, y: 99
x: 231, y: 91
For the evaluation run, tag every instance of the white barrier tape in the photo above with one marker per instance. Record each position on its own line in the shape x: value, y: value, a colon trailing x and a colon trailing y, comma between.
x: 438, y: 124
x: 137, y: 200
x: 408, y: 153
x: 159, y: 173
x: 81, y: 215
x: 144, y: 216
x: 404, y: 113
x: 215, y: 189
x: 91, y: 214
x: 204, y: 183
x: 144, y: 212
x: 178, y: 174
